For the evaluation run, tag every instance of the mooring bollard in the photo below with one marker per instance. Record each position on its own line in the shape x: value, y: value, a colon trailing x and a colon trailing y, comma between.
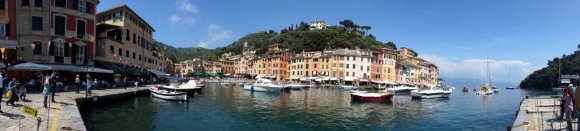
x: 38, y: 120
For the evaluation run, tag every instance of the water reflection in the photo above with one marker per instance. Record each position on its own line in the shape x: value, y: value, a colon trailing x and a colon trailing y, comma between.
x: 232, y: 108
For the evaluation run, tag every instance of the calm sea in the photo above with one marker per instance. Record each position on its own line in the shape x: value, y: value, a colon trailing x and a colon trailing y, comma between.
x: 232, y: 108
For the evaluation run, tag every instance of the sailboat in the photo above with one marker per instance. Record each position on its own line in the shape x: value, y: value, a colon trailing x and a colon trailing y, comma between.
x: 486, y: 89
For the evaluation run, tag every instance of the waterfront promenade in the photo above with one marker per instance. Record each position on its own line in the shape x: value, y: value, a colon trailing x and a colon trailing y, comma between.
x: 62, y: 115
x: 540, y: 113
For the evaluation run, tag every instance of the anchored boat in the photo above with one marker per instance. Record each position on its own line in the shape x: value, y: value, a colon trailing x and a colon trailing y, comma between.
x: 365, y: 96
x: 432, y: 92
x: 168, y: 94
x: 265, y: 85
x: 190, y: 87
x: 401, y: 89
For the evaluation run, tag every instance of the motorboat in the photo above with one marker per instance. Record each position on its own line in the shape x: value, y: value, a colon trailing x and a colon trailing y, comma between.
x: 265, y: 85
x: 465, y: 89
x: 189, y: 87
x: 432, y: 92
x: 295, y: 86
x: 401, y: 89
x: 358, y: 91
x: 485, y: 90
x: 510, y: 88
x: 348, y: 87
x: 168, y: 94
x: 365, y: 96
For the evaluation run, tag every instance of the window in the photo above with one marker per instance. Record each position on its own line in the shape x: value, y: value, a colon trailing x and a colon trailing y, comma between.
x: 347, y: 73
x: 361, y: 68
x: 353, y: 58
x: 37, y: 48
x: 139, y: 57
x: 37, y: 23
x: 81, y: 29
x: 38, y: 3
x: 133, y: 55
x: 2, y: 5
x: 59, y: 25
x: 82, y: 6
x: 25, y: 2
x: 347, y: 66
x: 314, y: 65
x: 353, y: 73
x: 128, y: 35
x: 126, y: 53
x: 120, y: 52
x: 134, y: 37
x: 59, y: 49
x: 348, y: 58
x: 112, y: 49
x: 4, y: 30
x: 60, y: 3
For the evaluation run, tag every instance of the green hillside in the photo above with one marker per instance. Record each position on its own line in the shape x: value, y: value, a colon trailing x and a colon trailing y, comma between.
x: 547, y: 77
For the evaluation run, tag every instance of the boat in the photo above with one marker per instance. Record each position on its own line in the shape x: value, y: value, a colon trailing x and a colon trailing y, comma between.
x: 432, y: 92
x: 510, y: 88
x: 401, y: 89
x: 168, y: 94
x: 265, y: 85
x: 485, y: 90
x: 365, y: 96
x: 348, y: 87
x: 358, y: 91
x: 190, y: 87
x: 295, y: 86
x: 465, y: 89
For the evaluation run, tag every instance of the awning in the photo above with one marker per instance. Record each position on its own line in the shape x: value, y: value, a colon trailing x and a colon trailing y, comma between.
x: 10, y: 44
x: 70, y: 68
x: 93, y: 70
x: 29, y: 66
x: 333, y: 79
x: 117, y: 69
x: 159, y: 73
x: 312, y: 78
x: 365, y: 80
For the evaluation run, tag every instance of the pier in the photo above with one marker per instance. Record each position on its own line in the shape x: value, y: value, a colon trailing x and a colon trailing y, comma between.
x: 64, y: 114
x: 540, y: 113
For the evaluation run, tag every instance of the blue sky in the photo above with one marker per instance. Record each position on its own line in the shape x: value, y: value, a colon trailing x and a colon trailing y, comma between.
x: 519, y: 36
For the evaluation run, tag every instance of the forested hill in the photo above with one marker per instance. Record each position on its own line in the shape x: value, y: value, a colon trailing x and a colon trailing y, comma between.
x: 547, y: 77
x: 299, y: 37
x: 296, y: 37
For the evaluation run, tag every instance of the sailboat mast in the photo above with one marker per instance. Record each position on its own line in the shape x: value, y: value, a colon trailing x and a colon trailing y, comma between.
x: 488, y: 72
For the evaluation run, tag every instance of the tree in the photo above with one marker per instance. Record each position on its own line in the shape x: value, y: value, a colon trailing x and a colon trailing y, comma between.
x: 391, y: 45
x: 366, y: 28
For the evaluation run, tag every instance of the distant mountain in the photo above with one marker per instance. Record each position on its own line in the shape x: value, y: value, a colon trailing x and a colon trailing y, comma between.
x: 547, y: 77
x: 474, y: 83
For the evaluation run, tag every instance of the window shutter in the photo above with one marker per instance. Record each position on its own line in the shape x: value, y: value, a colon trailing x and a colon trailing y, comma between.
x: 88, y: 8
x: 7, y: 29
x: 74, y: 51
x: 66, y: 50
x: 51, y: 48
x: 75, y: 4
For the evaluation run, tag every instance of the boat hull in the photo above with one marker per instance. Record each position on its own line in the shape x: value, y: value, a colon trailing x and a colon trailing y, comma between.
x: 264, y: 88
x: 175, y: 97
x: 381, y: 97
x: 430, y: 95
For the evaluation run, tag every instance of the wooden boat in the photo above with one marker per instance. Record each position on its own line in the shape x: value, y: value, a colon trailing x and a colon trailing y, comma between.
x: 168, y: 94
x: 382, y: 96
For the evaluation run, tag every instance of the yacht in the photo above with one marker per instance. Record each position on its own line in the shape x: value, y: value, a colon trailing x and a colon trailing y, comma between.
x: 432, y: 92
x: 485, y: 90
x: 401, y: 89
x: 265, y: 85
x: 295, y: 86
x: 190, y: 87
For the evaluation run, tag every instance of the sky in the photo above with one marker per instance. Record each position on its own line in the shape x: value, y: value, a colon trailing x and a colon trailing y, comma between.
x: 457, y: 35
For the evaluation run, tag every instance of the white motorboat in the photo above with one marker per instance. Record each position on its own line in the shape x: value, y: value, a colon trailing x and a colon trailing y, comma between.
x: 168, y: 94
x: 401, y: 89
x: 190, y: 87
x: 358, y: 91
x: 295, y: 86
x: 348, y: 87
x: 265, y: 85
x: 432, y: 92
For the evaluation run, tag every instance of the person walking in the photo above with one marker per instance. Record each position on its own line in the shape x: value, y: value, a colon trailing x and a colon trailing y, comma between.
x: 125, y: 81
x: 53, y: 79
x: 45, y: 93
x: 568, y: 106
x: 88, y: 85
x: 78, y: 83
x: 1, y: 88
x: 13, y: 92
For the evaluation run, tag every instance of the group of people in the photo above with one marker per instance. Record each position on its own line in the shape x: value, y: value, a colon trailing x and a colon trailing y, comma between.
x: 571, y: 105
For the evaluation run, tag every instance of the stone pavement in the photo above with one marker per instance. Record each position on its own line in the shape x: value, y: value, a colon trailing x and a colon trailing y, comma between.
x: 62, y: 115
x: 539, y: 114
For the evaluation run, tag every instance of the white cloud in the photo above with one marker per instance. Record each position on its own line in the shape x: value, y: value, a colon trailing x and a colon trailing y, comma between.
x: 511, y: 71
x: 186, y: 15
x: 215, y: 34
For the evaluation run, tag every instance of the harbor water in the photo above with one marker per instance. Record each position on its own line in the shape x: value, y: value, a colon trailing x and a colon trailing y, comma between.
x: 232, y: 108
